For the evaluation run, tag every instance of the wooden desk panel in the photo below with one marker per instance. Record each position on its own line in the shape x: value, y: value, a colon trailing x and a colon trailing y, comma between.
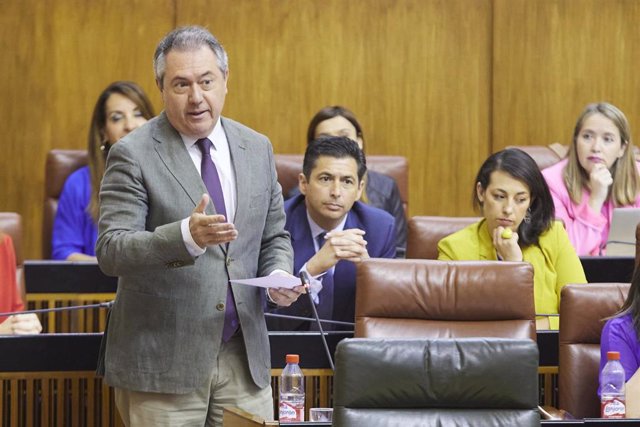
x: 47, y: 374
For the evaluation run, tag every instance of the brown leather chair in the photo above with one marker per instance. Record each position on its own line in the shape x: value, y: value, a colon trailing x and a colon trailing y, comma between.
x: 289, y: 166
x: 545, y: 155
x: 424, y: 233
x: 582, y: 310
x: 549, y: 155
x: 409, y: 298
x: 11, y: 224
x: 60, y: 164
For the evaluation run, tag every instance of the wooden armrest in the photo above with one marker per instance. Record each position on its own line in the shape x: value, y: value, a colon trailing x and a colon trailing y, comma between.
x: 235, y: 417
x: 551, y: 413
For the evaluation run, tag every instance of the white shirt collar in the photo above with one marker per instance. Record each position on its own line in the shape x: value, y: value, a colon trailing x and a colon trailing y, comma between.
x: 316, y: 230
x: 216, y: 135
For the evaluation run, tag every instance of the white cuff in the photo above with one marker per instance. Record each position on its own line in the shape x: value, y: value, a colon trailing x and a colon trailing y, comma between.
x: 192, y: 247
x: 315, y: 285
x: 274, y: 272
x: 271, y: 300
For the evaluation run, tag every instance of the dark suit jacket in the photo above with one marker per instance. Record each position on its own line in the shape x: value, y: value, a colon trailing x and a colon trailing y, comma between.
x: 383, y: 193
x: 165, y: 327
x: 380, y: 236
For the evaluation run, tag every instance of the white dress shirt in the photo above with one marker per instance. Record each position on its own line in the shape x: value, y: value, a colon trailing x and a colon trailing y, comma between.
x: 316, y: 281
x: 221, y: 156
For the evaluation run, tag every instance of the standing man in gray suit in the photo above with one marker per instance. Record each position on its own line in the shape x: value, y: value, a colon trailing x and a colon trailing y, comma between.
x: 188, y: 202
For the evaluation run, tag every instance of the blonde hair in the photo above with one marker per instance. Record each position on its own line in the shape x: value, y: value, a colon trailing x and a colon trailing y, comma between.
x: 626, y: 182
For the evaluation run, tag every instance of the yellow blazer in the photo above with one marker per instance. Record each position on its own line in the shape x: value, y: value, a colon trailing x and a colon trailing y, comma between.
x: 554, y: 261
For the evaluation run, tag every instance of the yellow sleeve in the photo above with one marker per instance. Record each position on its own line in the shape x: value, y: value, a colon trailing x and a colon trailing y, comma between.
x: 461, y: 245
x: 445, y: 250
x: 568, y: 265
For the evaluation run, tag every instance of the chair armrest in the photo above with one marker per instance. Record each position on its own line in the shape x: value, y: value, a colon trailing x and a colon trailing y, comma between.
x: 551, y: 413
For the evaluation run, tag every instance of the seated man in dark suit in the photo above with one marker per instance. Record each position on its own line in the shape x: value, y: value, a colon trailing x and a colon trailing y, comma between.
x: 331, y: 231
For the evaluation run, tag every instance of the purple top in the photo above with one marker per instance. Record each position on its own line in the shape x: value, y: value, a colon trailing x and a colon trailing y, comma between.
x: 618, y: 335
x: 73, y: 227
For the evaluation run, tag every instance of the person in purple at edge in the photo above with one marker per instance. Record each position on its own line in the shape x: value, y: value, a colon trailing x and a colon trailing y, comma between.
x: 621, y: 333
x: 121, y: 108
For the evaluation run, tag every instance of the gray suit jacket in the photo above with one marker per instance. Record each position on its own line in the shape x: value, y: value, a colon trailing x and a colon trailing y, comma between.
x: 165, y: 327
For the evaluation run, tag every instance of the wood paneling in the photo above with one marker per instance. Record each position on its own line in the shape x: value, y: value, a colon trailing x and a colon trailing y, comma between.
x: 552, y: 57
x: 442, y: 82
x: 25, y: 101
x: 59, y: 56
x: 415, y: 72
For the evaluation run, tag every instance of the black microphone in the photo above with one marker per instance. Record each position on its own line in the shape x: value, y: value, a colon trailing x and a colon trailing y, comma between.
x: 304, y: 278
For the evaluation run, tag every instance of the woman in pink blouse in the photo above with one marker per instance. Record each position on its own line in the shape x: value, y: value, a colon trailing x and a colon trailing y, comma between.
x: 599, y: 175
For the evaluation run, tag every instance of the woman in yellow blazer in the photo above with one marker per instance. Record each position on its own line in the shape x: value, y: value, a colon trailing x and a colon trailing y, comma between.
x: 518, y: 225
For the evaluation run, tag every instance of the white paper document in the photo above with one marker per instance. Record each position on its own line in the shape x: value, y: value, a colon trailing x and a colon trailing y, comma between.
x: 274, y: 281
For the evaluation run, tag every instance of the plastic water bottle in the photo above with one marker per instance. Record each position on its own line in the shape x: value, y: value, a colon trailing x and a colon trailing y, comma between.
x: 612, y: 379
x: 291, y: 391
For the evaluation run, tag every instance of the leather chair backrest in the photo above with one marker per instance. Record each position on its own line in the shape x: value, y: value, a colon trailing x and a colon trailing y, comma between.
x: 411, y: 298
x: 545, y: 155
x: 60, y: 164
x: 477, y: 381
x: 424, y: 233
x: 583, y: 310
x: 11, y: 224
x: 549, y: 155
x: 289, y: 166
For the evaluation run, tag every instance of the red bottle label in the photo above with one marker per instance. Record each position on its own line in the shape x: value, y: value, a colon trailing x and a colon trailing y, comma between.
x: 612, y: 407
x: 291, y: 413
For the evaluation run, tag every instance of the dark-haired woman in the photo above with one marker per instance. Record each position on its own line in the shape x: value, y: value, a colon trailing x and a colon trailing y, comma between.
x: 518, y: 225
x: 121, y: 108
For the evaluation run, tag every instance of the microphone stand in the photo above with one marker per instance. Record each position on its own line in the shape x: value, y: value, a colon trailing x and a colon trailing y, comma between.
x: 304, y: 278
x: 70, y: 308
x: 309, y: 319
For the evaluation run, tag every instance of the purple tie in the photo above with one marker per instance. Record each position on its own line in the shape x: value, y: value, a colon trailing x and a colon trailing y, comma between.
x: 212, y: 182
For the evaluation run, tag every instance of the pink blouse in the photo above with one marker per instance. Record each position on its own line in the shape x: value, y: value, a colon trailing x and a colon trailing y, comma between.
x: 588, y: 230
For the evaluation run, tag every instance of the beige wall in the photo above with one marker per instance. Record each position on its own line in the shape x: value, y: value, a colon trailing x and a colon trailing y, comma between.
x: 442, y: 82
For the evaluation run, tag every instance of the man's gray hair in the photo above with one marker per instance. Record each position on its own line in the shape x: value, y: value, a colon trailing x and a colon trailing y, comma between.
x: 187, y: 39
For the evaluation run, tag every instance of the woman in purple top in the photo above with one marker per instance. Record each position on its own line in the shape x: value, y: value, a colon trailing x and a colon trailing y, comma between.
x: 599, y: 175
x: 120, y: 108
x: 622, y: 333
